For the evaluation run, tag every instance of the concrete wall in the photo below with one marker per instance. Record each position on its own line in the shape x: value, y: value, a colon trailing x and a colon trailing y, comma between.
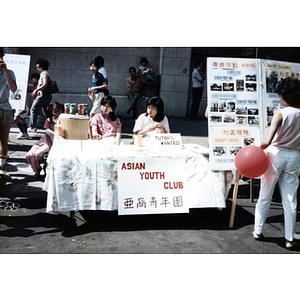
x: 70, y: 68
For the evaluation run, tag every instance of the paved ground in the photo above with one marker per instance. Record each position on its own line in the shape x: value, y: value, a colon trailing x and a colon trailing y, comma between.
x: 25, y: 227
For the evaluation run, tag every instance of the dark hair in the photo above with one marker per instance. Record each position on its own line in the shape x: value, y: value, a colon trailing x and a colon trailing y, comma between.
x: 96, y: 63
x: 289, y: 89
x: 100, y: 60
x: 198, y: 63
x: 1, y: 51
x: 159, y: 104
x: 112, y: 103
x: 44, y: 63
x: 144, y: 59
x: 132, y: 68
x: 35, y: 75
x: 52, y: 106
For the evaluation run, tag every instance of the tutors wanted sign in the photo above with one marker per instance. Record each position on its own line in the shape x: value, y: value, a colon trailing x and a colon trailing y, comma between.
x: 148, y: 185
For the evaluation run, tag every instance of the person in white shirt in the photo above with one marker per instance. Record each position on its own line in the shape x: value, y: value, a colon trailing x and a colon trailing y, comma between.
x: 153, y: 121
x: 282, y: 145
x: 7, y: 84
x: 198, y: 78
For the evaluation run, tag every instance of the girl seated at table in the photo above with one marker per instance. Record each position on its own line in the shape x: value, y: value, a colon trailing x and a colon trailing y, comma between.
x: 153, y: 121
x: 106, y: 125
x: 35, y: 154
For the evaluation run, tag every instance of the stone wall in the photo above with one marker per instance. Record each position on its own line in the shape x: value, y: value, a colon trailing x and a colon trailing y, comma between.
x: 69, y: 66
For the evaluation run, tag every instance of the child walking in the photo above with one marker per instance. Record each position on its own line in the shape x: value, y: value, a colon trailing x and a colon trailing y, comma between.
x: 21, y: 114
x: 282, y: 145
x: 20, y: 120
x: 106, y: 124
x: 35, y: 154
x: 99, y: 87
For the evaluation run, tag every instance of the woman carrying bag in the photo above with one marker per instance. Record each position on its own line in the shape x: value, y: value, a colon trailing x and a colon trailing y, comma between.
x: 43, y: 98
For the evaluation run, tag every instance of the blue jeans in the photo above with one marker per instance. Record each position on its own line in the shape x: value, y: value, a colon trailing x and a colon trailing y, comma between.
x: 40, y: 102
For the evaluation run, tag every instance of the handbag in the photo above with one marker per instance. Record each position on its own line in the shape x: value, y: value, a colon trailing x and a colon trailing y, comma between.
x: 52, y: 88
x: 92, y: 95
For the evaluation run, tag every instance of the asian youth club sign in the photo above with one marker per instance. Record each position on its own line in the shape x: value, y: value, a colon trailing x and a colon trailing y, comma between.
x: 152, y: 186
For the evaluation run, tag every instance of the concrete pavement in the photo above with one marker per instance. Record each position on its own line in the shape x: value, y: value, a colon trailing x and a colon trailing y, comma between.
x: 25, y: 227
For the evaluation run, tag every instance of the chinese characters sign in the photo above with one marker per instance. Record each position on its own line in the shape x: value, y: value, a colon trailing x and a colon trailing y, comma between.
x: 152, y: 186
x: 272, y: 73
x: 234, y: 108
x: 19, y: 64
x: 241, y: 102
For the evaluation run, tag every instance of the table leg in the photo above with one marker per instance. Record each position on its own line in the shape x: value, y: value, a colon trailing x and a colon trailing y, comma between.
x: 251, y: 189
x: 234, y: 197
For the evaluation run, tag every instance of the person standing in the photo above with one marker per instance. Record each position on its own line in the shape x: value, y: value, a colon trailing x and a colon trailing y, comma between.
x: 7, y: 83
x: 99, y: 87
x: 102, y: 70
x: 282, y: 145
x: 42, y: 99
x: 133, y: 83
x: 198, y: 79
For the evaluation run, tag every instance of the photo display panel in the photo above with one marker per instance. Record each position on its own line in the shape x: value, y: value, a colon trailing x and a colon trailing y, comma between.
x: 234, y: 108
x: 272, y: 72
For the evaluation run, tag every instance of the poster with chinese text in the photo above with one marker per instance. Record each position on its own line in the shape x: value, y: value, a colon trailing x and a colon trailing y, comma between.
x: 272, y: 72
x: 234, y: 117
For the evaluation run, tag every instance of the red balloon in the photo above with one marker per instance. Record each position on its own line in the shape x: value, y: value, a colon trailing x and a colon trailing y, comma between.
x: 251, y: 161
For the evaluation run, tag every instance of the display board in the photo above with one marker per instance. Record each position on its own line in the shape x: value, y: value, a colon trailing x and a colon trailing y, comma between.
x: 241, y: 101
x: 272, y: 72
x: 19, y: 64
x: 234, y: 108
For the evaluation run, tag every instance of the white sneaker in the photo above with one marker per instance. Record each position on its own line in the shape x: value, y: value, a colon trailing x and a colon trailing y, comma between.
x: 21, y: 136
x: 290, y: 244
x: 31, y: 129
x: 257, y: 236
x: 26, y: 136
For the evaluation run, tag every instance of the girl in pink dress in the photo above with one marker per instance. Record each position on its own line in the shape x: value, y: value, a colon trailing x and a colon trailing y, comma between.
x: 35, y: 154
x: 106, y: 124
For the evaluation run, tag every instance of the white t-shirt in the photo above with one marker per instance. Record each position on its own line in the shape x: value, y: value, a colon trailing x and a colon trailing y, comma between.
x: 288, y: 134
x: 144, y: 122
x: 103, y: 72
x: 196, y: 77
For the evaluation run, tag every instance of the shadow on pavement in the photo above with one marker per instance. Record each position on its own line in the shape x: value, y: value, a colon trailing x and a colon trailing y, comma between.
x: 21, y: 226
x: 197, y: 219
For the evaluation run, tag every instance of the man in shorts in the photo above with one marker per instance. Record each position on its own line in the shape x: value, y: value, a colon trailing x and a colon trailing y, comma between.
x: 7, y: 83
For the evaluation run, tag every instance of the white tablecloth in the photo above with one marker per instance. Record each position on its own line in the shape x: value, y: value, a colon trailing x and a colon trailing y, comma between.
x: 83, y: 175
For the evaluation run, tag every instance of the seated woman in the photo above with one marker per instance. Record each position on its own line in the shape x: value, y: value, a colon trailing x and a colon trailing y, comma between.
x: 153, y: 121
x: 106, y: 125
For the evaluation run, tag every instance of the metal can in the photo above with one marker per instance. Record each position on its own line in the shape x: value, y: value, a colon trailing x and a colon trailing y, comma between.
x: 67, y: 108
x: 72, y: 108
x: 85, y: 109
x: 80, y: 109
